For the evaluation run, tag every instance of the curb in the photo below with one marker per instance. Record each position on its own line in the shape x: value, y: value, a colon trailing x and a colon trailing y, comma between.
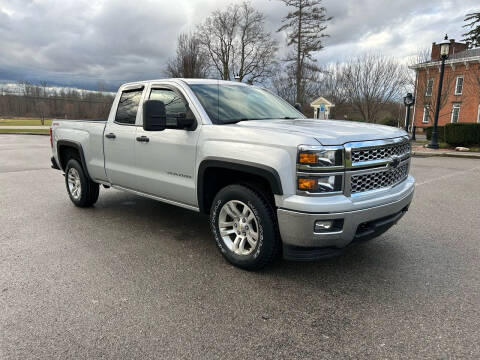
x: 446, y: 154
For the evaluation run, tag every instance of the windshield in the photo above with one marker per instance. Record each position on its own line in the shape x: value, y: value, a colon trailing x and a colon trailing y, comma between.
x: 228, y: 104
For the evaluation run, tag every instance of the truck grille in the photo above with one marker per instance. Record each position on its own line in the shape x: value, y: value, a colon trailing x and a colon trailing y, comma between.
x: 381, y: 152
x: 379, y: 179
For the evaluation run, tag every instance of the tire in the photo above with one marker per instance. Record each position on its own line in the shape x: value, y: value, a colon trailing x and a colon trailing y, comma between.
x: 76, y: 179
x: 258, y: 234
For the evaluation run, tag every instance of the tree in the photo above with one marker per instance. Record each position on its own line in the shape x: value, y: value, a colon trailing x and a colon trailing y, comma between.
x: 472, y: 36
x: 305, y: 26
x: 371, y: 81
x: 283, y: 84
x: 190, y: 60
x: 237, y: 43
x: 254, y: 48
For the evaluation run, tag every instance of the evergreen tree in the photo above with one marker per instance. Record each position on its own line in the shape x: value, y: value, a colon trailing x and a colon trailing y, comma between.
x: 305, y: 26
x: 473, y: 36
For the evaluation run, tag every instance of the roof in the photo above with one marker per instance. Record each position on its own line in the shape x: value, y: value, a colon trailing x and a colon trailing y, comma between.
x: 460, y: 57
x: 189, y: 81
x: 321, y: 100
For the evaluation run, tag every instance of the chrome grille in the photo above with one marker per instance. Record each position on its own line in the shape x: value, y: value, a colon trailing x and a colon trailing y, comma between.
x: 381, y: 152
x: 379, y: 179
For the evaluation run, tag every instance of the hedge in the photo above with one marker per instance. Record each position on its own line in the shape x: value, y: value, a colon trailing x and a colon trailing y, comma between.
x: 458, y: 134
x: 441, y: 133
x: 462, y: 134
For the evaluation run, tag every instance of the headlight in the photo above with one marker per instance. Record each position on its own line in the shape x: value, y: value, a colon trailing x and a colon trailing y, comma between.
x: 320, y: 157
x: 320, y: 184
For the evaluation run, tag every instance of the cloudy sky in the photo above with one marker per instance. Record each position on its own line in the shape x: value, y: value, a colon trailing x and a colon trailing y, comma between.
x: 78, y: 42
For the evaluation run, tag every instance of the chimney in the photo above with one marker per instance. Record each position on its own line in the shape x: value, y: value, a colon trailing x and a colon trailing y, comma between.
x: 455, y: 47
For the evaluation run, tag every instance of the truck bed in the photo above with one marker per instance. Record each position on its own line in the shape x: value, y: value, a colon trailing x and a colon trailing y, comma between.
x: 89, y: 135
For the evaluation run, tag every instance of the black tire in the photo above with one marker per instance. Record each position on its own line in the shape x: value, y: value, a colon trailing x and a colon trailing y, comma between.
x: 268, y: 244
x: 89, y: 189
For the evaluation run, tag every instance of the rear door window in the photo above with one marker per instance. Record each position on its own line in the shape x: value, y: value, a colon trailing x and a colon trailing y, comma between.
x: 128, y: 106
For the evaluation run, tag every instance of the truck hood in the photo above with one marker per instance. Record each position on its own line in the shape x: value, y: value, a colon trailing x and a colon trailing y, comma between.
x: 327, y: 132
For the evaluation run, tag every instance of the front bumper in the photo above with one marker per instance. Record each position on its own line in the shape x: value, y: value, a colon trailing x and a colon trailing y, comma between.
x: 298, y: 236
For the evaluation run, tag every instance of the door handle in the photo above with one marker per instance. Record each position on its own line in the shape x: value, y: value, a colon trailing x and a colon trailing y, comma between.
x: 143, y: 138
x: 110, y: 136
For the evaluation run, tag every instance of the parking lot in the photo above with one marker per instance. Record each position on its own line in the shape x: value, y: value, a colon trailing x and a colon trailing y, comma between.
x: 134, y: 278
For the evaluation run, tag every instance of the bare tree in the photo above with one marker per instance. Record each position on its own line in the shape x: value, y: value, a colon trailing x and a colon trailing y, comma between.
x: 217, y: 35
x: 371, y: 81
x: 190, y: 60
x: 254, y: 48
x: 331, y: 86
x: 305, y: 25
x: 283, y: 84
x: 237, y: 43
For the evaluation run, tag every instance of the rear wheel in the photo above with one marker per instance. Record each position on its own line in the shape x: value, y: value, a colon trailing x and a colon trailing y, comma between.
x: 244, y: 226
x: 82, y: 191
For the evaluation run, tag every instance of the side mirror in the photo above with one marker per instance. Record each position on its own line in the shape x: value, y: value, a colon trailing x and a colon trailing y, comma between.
x: 298, y: 107
x: 154, y: 115
x: 184, y: 122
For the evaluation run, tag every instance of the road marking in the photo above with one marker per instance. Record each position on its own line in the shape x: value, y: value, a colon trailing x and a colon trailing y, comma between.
x: 447, y: 176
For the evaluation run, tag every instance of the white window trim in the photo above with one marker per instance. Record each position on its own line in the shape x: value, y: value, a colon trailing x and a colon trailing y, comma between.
x: 426, y: 91
x: 426, y: 111
x: 478, y: 114
x: 458, y: 117
x: 456, y: 84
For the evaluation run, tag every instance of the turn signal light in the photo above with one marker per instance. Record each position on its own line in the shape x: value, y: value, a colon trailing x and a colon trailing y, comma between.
x: 306, y: 184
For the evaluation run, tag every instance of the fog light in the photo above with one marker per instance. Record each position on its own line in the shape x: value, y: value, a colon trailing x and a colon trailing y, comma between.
x: 323, y: 225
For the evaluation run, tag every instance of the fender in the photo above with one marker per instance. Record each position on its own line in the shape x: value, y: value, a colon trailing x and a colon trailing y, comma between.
x: 267, y: 172
x: 75, y: 145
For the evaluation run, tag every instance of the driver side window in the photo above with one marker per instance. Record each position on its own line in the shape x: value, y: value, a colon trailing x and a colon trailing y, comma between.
x: 175, y: 106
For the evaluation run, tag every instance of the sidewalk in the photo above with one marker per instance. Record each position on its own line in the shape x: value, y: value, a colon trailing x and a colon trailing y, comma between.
x: 419, y: 150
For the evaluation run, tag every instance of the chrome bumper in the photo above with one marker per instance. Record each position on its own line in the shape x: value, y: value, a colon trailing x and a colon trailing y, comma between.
x: 297, y: 228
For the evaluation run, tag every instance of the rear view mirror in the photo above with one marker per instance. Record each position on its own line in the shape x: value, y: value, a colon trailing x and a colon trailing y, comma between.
x: 298, y: 107
x: 154, y: 115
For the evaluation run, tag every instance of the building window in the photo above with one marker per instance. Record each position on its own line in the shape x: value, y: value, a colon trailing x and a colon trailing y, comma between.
x: 429, y: 87
x: 478, y: 114
x: 459, y: 85
x: 426, y: 115
x: 455, y: 113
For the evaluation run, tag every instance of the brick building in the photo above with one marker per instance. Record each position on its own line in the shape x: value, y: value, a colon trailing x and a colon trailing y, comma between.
x: 460, y: 100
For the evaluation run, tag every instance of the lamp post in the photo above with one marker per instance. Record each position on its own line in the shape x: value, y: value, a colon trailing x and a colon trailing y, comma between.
x: 444, y: 50
x: 408, y: 100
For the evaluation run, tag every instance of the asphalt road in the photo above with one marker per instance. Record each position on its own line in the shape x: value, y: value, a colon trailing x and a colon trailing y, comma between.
x: 134, y: 278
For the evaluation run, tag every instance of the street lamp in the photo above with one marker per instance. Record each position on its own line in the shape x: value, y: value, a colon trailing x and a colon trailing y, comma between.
x: 444, y: 51
x: 408, y: 100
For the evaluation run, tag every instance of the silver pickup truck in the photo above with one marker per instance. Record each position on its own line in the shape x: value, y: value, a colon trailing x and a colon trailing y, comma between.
x: 272, y: 181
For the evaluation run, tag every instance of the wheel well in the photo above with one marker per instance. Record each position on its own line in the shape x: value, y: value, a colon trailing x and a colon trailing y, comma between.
x: 216, y: 178
x: 65, y: 153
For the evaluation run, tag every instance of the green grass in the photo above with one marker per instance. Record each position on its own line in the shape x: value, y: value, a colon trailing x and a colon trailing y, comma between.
x: 23, y: 122
x: 5, y: 130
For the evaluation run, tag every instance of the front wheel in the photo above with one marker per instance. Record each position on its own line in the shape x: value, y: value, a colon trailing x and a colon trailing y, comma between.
x: 244, y: 225
x: 82, y: 191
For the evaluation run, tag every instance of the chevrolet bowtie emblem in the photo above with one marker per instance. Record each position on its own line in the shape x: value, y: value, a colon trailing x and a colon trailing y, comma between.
x: 395, y: 161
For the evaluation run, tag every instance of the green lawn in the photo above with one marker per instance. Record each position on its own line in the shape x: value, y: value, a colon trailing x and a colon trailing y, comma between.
x: 6, y: 130
x: 23, y: 122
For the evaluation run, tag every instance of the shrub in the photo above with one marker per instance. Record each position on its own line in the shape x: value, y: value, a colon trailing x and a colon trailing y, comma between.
x: 389, y: 120
x: 462, y: 134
